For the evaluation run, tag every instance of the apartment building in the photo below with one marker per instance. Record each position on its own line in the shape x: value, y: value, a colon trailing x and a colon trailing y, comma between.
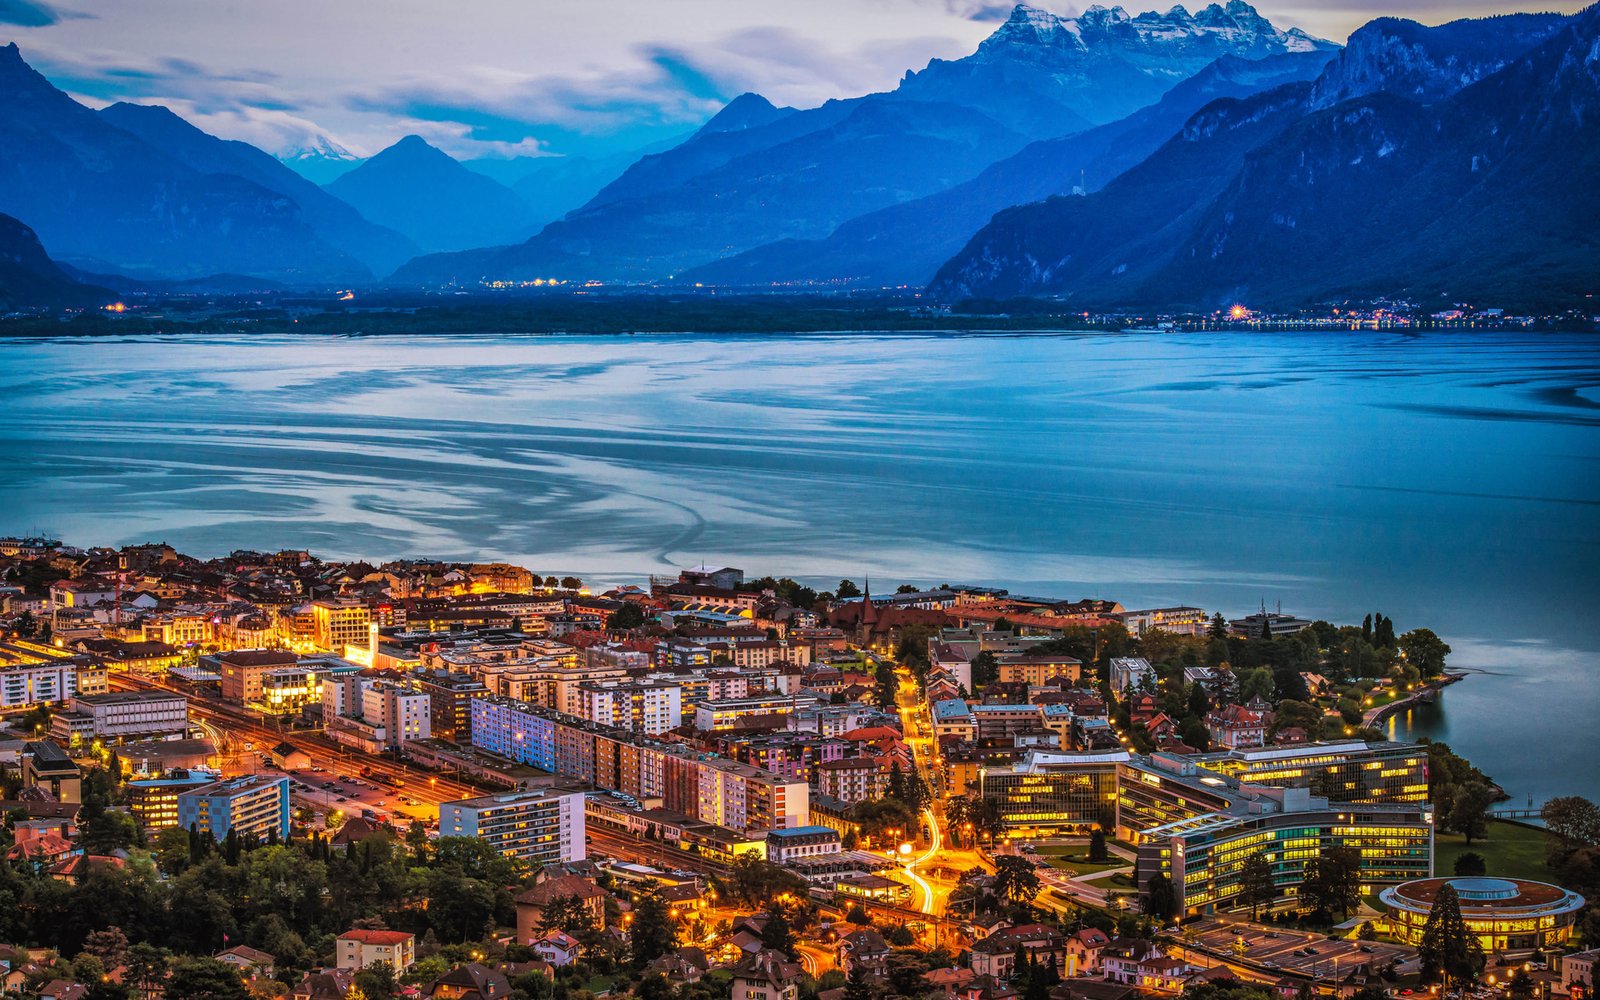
x: 123, y: 715
x: 650, y: 707
x: 541, y: 825
x: 736, y: 795
x: 253, y: 805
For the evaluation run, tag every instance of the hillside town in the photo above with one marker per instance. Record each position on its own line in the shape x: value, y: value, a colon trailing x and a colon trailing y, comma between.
x: 276, y: 775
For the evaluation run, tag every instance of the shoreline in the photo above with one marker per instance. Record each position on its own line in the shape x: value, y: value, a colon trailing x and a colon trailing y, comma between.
x: 1422, y: 695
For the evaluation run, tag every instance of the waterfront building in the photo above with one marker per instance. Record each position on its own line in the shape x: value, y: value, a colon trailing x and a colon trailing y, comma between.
x: 1345, y: 771
x: 253, y: 805
x: 337, y: 624
x: 784, y: 846
x: 1178, y: 621
x: 541, y: 825
x: 1198, y: 828
x: 1506, y: 914
x: 1129, y: 672
x: 1274, y: 623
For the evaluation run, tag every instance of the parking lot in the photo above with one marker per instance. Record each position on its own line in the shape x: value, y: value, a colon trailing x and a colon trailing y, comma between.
x: 1286, y: 950
x: 350, y: 795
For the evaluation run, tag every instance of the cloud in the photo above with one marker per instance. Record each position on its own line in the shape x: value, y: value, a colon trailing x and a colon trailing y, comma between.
x: 27, y: 14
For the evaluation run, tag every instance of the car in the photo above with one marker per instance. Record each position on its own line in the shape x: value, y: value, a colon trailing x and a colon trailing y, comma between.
x: 343, y: 799
x: 1269, y: 965
x: 1312, y: 951
x: 1364, y: 947
x: 1270, y: 934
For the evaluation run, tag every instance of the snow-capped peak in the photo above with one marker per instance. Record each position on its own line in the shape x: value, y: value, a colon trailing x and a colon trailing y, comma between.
x: 317, y: 147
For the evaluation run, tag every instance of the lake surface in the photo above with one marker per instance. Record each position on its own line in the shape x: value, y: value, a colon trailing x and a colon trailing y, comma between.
x: 1447, y: 480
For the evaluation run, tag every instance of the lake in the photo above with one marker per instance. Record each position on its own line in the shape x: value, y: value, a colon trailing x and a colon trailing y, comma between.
x: 1450, y: 480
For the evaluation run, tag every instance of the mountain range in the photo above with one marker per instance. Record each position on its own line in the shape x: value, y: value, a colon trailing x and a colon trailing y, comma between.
x: 29, y: 279
x: 1434, y: 163
x: 1157, y: 160
x: 757, y: 174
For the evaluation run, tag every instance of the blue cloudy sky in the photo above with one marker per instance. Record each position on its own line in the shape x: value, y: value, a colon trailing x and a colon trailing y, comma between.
x: 527, y: 77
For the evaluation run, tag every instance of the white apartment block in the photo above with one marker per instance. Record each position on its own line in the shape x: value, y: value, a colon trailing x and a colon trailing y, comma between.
x: 544, y: 825
x: 649, y: 707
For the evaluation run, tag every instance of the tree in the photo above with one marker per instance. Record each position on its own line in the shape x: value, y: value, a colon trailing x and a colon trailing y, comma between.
x: 1448, y: 950
x: 1015, y: 878
x: 848, y: 588
x: 856, y: 986
x: 1257, y: 682
x: 985, y: 668
x: 1219, y: 627
x: 1333, y: 881
x: 1471, y: 863
x: 571, y: 583
x: 653, y: 987
x: 778, y: 933
x: 377, y: 981
x: 566, y: 913
x: 1160, y: 900
x: 1256, y: 885
x: 653, y: 933
x: 1520, y: 986
x: 1097, y: 846
x: 1469, y: 812
x: 888, y: 687
x: 858, y: 915
x: 146, y: 968
x: 629, y: 616
x: 109, y: 945
x: 1425, y: 651
x: 205, y: 979
x: 1571, y: 822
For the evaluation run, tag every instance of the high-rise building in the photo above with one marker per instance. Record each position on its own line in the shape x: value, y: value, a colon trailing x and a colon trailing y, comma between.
x: 650, y: 707
x: 543, y: 825
x: 337, y: 624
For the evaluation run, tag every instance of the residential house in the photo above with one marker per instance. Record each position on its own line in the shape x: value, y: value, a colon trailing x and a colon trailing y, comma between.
x: 557, y: 947
x: 766, y: 975
x: 361, y: 948
x: 996, y: 954
x: 472, y: 981
x: 252, y: 963
x: 531, y: 903
x: 865, y: 948
x: 1083, y: 951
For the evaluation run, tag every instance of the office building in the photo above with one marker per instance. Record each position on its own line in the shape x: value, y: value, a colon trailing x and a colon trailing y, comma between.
x: 154, y: 801
x: 541, y: 825
x: 1199, y: 828
x: 253, y: 805
x: 1347, y: 771
x: 125, y: 715
x: 1050, y: 794
x: 337, y: 624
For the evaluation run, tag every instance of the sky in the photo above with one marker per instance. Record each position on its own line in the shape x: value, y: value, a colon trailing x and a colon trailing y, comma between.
x: 510, y: 78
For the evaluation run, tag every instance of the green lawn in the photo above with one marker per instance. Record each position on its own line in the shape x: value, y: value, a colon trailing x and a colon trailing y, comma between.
x: 1080, y: 863
x: 1118, y: 881
x: 1511, y: 850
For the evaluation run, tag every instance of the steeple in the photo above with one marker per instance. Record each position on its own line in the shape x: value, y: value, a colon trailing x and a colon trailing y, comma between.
x: 869, y: 611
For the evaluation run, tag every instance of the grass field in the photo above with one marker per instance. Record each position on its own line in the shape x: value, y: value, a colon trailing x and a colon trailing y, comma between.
x: 1080, y: 863
x: 1511, y: 850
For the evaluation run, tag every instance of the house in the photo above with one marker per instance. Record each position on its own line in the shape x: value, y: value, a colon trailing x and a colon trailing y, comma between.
x: 745, y: 933
x: 531, y: 903
x: 472, y: 981
x: 62, y: 989
x: 1237, y: 727
x: 996, y: 954
x: 1578, y: 968
x: 1140, y: 964
x: 252, y: 963
x: 686, y: 965
x: 865, y: 947
x: 986, y: 988
x: 1083, y: 951
x: 949, y: 981
x: 557, y: 947
x: 767, y: 975
x: 359, y: 949
x: 328, y: 984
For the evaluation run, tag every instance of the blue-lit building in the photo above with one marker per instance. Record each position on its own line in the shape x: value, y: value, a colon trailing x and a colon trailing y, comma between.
x: 253, y: 805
